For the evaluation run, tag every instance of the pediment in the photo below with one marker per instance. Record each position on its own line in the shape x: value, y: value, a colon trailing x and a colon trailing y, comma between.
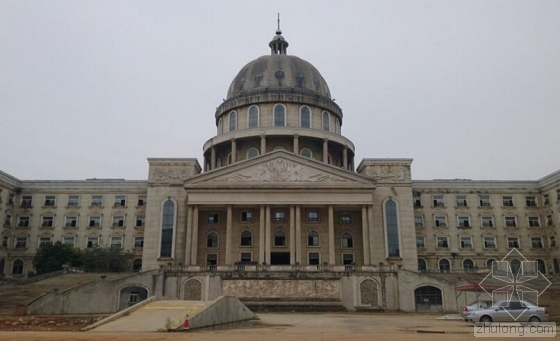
x: 280, y: 168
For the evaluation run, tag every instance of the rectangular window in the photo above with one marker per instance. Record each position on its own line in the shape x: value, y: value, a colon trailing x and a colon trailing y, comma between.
x: 50, y: 200
x: 120, y: 201
x: 416, y: 200
x: 246, y: 216
x: 71, y: 222
x: 484, y: 201
x: 534, y: 222
x: 511, y: 222
x: 312, y: 216
x: 95, y: 221
x: 441, y: 242
x: 47, y: 222
x: 463, y: 221
x: 279, y: 216
x: 552, y: 241
x: 138, y: 242
x: 313, y: 258
x: 45, y: 241
x: 23, y: 222
x: 140, y: 221
x: 346, y: 218
x: 26, y: 201
x: 546, y: 199
x: 558, y: 194
x: 531, y: 201
x: 142, y: 201
x: 117, y: 242
x: 245, y: 257
x: 8, y: 220
x: 118, y: 221
x: 347, y: 258
x: 69, y: 240
x: 513, y: 242
x: 418, y: 221
x: 438, y: 201
x: 489, y: 242
x: 5, y: 241
x: 536, y: 243
x: 97, y: 201
x: 21, y: 242
x: 133, y: 297
x: 213, y: 218
x: 549, y: 220
x: 466, y: 242
x: 462, y: 201
x: 212, y: 259
x: 507, y: 201
x: 420, y: 242
x: 92, y: 241
x: 487, y: 222
x: 440, y: 221
x: 73, y: 201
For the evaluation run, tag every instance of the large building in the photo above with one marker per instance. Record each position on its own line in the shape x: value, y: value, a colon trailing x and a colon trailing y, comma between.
x: 279, y: 193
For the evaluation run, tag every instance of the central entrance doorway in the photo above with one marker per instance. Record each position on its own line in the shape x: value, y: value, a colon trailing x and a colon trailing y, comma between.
x: 280, y: 258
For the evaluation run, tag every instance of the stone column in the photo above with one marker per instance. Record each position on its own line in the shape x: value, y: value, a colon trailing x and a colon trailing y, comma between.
x: 292, y: 236
x: 345, y: 157
x: 326, y: 151
x: 370, y: 230
x: 331, y: 236
x: 267, y: 235
x: 213, y: 158
x: 194, y: 244
x: 298, y: 235
x: 263, y: 144
x: 233, y: 151
x: 296, y: 144
x: 229, y: 231
x: 261, y: 235
x: 188, y: 238
x: 365, y: 236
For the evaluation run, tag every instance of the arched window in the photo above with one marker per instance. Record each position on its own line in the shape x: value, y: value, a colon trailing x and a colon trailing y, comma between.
x: 279, y: 115
x: 279, y: 148
x: 313, y: 238
x: 252, y: 152
x: 218, y: 163
x: 337, y: 126
x: 137, y: 265
x: 167, y: 223
x: 326, y: 121
x: 556, y: 266
x: 468, y: 265
x: 232, y: 121
x: 305, y: 117
x: 541, y: 266
x: 212, y: 240
x: 347, y: 240
x: 253, y: 121
x: 17, y: 268
x: 279, y: 238
x: 229, y: 159
x: 489, y: 263
x: 392, y: 229
x: 422, y: 266
x: 246, y: 238
x: 444, y: 265
x: 306, y: 152
x: 220, y: 126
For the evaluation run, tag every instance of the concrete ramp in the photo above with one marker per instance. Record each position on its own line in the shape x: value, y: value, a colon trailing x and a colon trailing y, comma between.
x: 167, y: 315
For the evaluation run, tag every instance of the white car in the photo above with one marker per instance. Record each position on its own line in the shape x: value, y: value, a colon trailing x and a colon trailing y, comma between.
x: 512, y: 311
x: 468, y: 310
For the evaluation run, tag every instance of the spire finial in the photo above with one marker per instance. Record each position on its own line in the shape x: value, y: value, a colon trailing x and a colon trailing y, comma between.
x: 278, y: 31
x: 278, y: 45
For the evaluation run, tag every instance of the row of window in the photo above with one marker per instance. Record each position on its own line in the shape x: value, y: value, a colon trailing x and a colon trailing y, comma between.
x: 22, y: 242
x: 279, y: 119
x: 74, y: 201
x: 489, y: 242
x: 483, y: 201
x: 72, y: 221
x: 279, y: 216
x: 464, y: 221
x: 18, y: 267
x: 444, y: 265
x: 212, y: 239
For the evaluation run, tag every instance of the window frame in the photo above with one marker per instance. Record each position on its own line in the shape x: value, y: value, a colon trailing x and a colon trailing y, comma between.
x: 249, y: 116
x: 326, y: 121
x: 316, y: 241
x: 445, y: 243
x: 301, y: 113
x: 463, y: 242
x: 274, y: 113
x: 233, y: 114
x: 486, y: 245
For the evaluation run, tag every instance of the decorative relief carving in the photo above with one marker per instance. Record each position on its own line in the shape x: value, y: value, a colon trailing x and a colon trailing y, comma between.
x: 169, y: 174
x: 280, y: 170
x: 387, y: 173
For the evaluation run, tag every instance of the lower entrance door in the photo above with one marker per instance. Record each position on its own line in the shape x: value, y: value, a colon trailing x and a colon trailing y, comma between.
x: 280, y: 258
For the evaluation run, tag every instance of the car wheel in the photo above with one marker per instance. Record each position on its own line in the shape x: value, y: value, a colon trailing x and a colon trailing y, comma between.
x: 534, y: 319
x: 485, y: 319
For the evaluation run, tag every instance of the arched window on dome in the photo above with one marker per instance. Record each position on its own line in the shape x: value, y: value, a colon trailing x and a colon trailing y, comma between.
x: 326, y: 121
x: 279, y: 115
x: 220, y: 131
x: 253, y: 117
x: 337, y: 126
x: 306, y: 152
x: 232, y: 121
x: 252, y: 152
x: 305, y: 117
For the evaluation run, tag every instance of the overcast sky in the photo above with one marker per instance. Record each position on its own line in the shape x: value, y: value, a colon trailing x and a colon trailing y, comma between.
x: 469, y: 89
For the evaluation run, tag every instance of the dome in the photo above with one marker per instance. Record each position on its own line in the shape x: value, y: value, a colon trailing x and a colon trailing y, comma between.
x: 278, y: 72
